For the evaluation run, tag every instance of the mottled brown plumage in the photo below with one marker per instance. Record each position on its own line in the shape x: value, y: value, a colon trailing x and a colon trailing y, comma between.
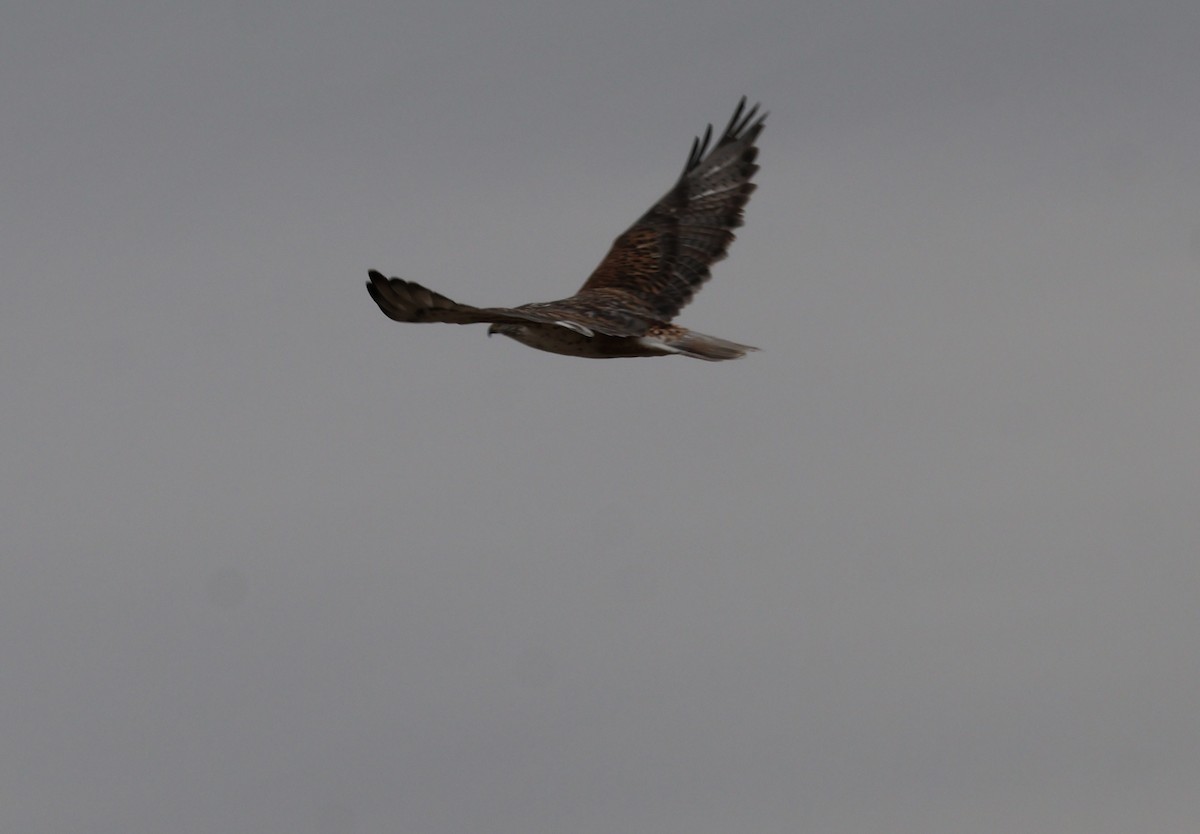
x: 651, y: 272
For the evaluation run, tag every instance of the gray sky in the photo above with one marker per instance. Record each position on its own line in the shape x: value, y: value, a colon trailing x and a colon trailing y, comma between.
x: 273, y: 563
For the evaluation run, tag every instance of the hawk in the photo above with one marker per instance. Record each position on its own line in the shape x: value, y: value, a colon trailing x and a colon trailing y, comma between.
x: 652, y: 270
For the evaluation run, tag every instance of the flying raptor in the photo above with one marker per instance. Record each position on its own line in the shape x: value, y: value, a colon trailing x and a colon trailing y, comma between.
x: 652, y: 270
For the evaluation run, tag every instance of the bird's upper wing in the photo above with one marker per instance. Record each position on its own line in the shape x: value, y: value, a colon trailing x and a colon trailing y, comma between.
x: 657, y: 265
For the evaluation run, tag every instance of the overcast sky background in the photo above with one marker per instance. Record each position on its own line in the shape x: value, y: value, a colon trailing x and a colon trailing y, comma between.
x: 272, y: 563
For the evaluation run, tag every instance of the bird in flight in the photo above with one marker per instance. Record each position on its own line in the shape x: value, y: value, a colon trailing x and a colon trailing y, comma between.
x: 652, y: 270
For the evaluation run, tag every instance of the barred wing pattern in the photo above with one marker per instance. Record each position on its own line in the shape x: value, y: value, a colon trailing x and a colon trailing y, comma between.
x: 660, y: 262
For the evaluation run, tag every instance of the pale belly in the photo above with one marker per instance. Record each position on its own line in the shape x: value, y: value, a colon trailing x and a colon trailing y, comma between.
x: 557, y: 339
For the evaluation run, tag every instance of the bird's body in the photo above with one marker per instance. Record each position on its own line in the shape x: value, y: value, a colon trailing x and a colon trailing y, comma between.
x: 652, y: 270
x: 658, y: 340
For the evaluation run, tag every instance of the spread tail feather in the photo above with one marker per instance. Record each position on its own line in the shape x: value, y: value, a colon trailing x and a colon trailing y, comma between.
x: 701, y: 346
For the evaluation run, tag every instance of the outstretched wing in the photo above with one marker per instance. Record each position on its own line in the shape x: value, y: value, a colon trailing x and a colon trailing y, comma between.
x: 408, y: 301
x: 657, y: 265
x: 402, y: 300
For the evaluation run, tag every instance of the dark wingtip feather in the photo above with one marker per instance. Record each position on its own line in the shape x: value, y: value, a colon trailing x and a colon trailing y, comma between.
x: 743, y: 124
x: 699, y: 149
